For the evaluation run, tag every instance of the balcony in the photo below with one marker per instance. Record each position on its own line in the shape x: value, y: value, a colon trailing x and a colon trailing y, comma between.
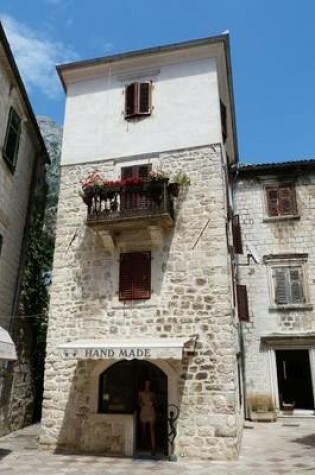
x: 138, y: 213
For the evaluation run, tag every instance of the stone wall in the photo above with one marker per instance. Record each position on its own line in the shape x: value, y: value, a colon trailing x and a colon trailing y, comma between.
x: 274, y: 237
x: 191, y: 296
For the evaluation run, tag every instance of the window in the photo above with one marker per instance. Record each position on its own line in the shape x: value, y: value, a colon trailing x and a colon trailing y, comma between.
x: 223, y: 120
x: 12, y: 138
x: 1, y: 241
x: 281, y: 200
x: 135, y: 200
x: 288, y: 285
x: 135, y: 276
x: 136, y: 171
x: 138, y: 99
x: 237, y: 236
x: 242, y: 303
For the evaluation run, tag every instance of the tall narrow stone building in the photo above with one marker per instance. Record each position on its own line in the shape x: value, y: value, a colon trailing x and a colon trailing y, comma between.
x: 142, y: 332
x: 22, y: 188
x: 276, y: 206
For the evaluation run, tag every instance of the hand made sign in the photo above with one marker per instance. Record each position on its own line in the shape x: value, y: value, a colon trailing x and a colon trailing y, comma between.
x: 89, y: 352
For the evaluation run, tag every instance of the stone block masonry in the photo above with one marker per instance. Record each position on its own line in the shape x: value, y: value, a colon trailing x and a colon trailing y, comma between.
x: 191, y: 295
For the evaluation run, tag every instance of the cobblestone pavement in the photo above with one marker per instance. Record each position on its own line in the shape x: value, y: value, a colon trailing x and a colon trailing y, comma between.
x: 284, y: 447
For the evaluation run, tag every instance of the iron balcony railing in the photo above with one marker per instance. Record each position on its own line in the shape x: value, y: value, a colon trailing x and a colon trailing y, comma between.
x: 123, y: 203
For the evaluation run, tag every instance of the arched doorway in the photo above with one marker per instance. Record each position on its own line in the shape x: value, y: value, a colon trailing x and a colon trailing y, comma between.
x: 119, y: 387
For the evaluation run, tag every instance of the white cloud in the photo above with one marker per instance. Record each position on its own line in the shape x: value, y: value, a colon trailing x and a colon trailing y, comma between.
x: 36, y: 56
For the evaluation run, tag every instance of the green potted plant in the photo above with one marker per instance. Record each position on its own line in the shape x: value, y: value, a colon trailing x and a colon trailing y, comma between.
x: 156, y: 181
x: 179, y: 180
x: 261, y: 408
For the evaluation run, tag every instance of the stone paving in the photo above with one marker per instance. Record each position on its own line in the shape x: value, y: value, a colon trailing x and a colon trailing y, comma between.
x: 284, y: 447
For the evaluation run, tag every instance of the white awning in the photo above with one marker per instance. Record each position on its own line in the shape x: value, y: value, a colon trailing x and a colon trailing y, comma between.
x: 7, y: 347
x: 142, y: 349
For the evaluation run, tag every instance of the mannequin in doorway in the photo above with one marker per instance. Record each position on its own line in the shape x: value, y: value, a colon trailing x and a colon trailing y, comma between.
x: 147, y: 404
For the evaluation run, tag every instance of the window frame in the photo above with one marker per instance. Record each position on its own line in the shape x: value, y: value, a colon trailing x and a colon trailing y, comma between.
x: 11, y: 161
x: 281, y: 214
x: 288, y: 263
x: 137, y: 109
x: 136, y: 273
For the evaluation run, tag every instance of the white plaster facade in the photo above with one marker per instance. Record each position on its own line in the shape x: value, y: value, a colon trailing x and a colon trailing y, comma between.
x: 16, y: 191
x: 282, y: 240
x: 191, y: 279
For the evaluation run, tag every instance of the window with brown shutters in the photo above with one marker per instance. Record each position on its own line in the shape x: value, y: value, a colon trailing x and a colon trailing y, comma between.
x: 136, y: 171
x: 288, y: 285
x: 132, y: 200
x: 12, y: 139
x: 237, y: 236
x: 242, y: 303
x: 138, y: 99
x: 135, y: 276
x: 281, y: 200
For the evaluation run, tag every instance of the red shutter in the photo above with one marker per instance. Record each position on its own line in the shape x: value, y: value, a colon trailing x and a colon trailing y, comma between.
x: 242, y: 303
x: 287, y: 204
x: 144, y: 98
x: 237, y: 236
x: 272, y: 201
x: 131, y: 100
x: 135, y: 276
x: 125, y: 277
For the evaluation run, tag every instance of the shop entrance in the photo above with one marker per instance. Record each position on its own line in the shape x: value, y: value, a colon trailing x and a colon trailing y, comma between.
x: 124, y: 390
x: 294, y: 378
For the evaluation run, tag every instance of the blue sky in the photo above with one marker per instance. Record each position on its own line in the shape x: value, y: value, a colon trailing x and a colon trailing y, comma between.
x: 272, y: 53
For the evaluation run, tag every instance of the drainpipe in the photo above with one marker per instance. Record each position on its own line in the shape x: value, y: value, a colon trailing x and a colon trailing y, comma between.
x: 240, y: 326
x: 234, y: 268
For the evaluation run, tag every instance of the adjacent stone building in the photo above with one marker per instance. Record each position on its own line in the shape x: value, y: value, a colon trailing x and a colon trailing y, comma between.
x: 142, y: 282
x: 22, y: 186
x: 276, y: 206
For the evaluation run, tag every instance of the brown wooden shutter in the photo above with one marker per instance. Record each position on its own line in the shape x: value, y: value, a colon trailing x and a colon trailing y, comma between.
x: 282, y: 295
x: 272, y: 201
x: 144, y: 98
x: 141, y: 275
x: 242, y: 303
x: 143, y: 171
x: 136, y: 171
x: 287, y: 203
x: 131, y: 99
x: 125, y: 277
x: 296, y: 285
x: 135, y: 276
x: 223, y: 120
x: 126, y: 172
x: 237, y: 236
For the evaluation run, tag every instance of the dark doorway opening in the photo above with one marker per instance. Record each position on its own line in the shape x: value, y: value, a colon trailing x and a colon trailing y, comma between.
x: 119, y: 389
x: 294, y: 378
